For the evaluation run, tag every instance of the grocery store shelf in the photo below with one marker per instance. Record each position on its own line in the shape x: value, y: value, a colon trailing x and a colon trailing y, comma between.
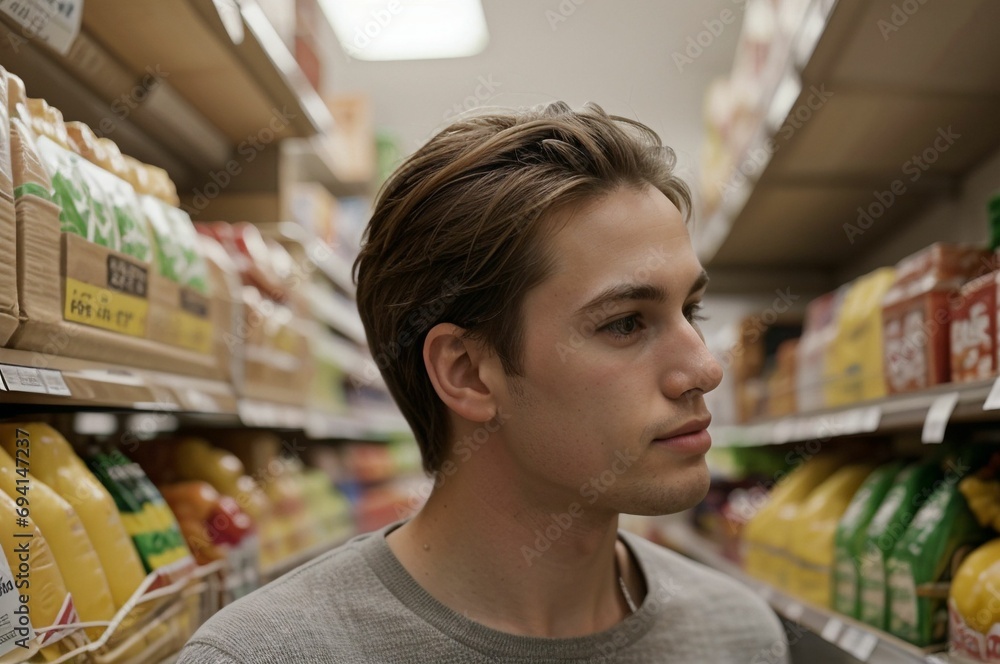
x: 189, y: 110
x: 857, y: 102
x: 30, y: 378
x: 857, y: 639
x: 895, y: 413
x: 310, y: 160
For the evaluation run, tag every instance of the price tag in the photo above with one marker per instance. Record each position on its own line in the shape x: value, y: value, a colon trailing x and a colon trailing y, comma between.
x: 52, y: 22
x: 794, y: 611
x: 54, y: 382
x: 831, y: 631
x: 935, y: 659
x: 937, y: 417
x: 23, y: 379
x: 871, y: 420
x: 993, y: 398
x: 858, y: 644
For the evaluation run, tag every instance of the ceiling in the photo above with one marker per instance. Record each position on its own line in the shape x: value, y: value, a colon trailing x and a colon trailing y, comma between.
x: 619, y: 54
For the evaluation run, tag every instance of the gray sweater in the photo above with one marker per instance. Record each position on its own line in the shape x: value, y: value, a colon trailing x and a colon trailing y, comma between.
x: 358, y: 604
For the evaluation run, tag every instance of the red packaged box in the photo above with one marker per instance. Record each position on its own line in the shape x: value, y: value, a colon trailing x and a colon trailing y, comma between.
x: 974, y: 330
x: 916, y: 314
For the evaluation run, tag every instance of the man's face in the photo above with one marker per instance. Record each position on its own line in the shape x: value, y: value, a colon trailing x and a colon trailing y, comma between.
x: 614, y: 362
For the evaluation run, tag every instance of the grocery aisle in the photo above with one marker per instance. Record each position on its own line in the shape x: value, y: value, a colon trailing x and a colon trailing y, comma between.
x: 189, y: 407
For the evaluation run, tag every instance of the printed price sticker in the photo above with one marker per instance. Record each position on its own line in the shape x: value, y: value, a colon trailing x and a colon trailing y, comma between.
x: 54, y: 382
x: 794, y: 611
x: 937, y: 417
x: 993, y: 398
x: 831, y: 631
x: 23, y: 379
x: 15, y: 627
x: 52, y: 22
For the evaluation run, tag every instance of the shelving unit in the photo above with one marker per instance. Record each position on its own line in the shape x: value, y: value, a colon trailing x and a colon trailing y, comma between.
x: 857, y: 639
x: 884, y: 99
x: 894, y: 413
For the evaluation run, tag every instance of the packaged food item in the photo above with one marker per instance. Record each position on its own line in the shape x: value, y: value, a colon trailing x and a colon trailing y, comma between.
x: 813, y: 533
x: 818, y: 333
x: 195, y: 459
x: 974, y: 330
x: 766, y: 535
x: 147, y: 518
x: 924, y: 555
x: 849, y: 540
x: 916, y: 314
x: 854, y: 356
x: 82, y: 572
x: 781, y: 382
x: 8, y: 222
x: 908, y: 493
x: 48, y: 602
x: 211, y: 522
x: 974, y: 607
x: 55, y: 463
x: 88, y: 260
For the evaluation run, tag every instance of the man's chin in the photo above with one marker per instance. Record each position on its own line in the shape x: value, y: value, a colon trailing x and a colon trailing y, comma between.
x: 682, y: 495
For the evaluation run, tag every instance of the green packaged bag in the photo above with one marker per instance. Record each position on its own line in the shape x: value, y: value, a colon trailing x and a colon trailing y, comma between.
x: 849, y: 539
x: 908, y: 493
x: 940, y: 528
x: 178, y: 253
x: 84, y: 210
x: 146, y: 516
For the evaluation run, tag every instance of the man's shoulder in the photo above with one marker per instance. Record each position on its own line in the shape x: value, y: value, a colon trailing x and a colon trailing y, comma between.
x: 673, y: 578
x: 312, y: 602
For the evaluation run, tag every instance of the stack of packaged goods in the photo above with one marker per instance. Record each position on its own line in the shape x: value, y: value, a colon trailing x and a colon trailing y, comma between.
x: 269, y: 336
x: 735, y: 106
x: 242, y: 501
x: 929, y: 320
x: 874, y: 540
x: 100, y: 542
x: 131, y: 285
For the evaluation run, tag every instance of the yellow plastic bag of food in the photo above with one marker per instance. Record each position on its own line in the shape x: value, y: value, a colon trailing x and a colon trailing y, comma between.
x: 812, y: 533
x: 54, y: 462
x: 74, y: 553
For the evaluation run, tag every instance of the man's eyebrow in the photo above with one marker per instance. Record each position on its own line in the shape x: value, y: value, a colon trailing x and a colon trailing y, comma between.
x: 636, y: 292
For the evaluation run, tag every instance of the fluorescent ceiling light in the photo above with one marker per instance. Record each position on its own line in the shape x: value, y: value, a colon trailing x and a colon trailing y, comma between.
x: 408, y: 29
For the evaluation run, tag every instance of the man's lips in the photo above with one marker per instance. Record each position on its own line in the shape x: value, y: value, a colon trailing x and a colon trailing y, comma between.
x: 691, y: 438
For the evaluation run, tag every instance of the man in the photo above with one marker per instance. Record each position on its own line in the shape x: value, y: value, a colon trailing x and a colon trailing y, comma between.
x: 531, y: 297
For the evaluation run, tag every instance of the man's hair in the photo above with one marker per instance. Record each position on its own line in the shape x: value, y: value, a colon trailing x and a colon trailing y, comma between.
x: 458, y: 235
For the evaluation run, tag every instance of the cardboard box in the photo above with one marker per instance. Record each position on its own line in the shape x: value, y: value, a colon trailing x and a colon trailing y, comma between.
x: 8, y: 224
x: 974, y: 330
x: 916, y: 314
x: 76, y: 297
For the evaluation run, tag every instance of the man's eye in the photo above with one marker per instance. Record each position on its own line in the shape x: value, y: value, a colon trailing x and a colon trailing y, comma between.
x: 623, y: 328
x: 693, y: 313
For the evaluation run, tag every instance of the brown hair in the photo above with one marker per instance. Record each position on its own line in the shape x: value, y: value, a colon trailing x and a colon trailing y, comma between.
x: 456, y: 235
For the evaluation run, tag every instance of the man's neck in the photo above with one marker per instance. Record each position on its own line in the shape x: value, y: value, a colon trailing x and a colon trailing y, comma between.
x: 515, y: 568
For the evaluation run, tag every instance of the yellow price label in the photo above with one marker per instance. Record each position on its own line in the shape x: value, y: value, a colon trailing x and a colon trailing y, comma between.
x: 189, y: 331
x: 105, y: 308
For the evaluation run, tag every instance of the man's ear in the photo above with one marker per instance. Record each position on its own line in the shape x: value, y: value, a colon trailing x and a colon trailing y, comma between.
x: 455, y: 367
